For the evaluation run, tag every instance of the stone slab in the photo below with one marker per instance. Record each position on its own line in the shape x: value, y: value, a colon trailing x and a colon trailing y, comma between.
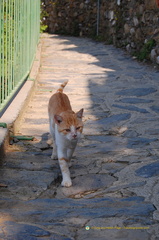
x: 87, y: 183
x: 138, y: 92
x: 134, y: 100
x: 149, y: 170
x: 140, y: 142
x: 112, y: 120
x: 12, y: 230
x: 20, y: 231
x: 155, y: 108
x: 56, y: 210
x: 131, y: 108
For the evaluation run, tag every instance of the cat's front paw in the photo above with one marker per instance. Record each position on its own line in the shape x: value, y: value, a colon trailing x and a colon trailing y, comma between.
x: 66, y: 183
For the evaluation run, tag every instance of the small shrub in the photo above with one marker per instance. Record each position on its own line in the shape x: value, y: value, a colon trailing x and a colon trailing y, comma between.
x: 145, y: 51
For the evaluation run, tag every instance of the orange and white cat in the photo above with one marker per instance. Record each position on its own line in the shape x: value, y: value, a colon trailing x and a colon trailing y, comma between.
x: 66, y: 128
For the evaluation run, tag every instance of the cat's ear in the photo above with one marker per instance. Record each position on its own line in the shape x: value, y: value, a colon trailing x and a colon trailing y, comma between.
x: 58, y: 119
x: 79, y: 114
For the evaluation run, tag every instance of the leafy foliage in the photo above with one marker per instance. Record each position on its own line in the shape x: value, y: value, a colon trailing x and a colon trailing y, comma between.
x: 43, y: 15
x: 145, y: 50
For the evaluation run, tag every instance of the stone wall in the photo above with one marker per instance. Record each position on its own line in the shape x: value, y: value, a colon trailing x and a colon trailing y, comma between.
x: 132, y: 24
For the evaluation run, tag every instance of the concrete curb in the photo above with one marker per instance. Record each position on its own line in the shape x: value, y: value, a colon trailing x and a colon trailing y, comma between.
x: 13, y: 113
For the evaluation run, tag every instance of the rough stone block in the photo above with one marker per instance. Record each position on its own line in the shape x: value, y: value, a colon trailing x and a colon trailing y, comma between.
x: 149, y: 170
x: 87, y: 183
x: 12, y: 230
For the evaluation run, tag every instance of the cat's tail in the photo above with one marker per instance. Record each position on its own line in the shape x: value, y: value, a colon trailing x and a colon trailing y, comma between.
x: 62, y: 86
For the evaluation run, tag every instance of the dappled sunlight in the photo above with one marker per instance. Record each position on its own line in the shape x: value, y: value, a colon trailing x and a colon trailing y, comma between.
x: 109, y: 70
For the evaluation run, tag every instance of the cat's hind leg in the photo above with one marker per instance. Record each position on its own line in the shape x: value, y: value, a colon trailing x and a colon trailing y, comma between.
x: 54, y: 151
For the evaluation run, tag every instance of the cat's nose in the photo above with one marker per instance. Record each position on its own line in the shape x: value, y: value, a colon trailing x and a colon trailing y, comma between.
x: 74, y: 135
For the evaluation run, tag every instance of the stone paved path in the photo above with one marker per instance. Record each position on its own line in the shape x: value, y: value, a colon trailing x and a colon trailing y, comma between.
x: 115, y: 170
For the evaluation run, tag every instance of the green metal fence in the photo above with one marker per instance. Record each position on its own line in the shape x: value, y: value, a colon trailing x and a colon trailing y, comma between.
x: 19, y: 35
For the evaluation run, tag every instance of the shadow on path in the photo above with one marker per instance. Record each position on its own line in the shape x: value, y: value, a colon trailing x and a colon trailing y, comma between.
x: 122, y: 91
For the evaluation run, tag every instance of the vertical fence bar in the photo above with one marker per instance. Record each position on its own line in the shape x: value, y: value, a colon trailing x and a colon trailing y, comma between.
x: 3, y: 64
x: 9, y: 47
x: 0, y: 52
x: 19, y: 34
x: 15, y: 59
x: 6, y: 47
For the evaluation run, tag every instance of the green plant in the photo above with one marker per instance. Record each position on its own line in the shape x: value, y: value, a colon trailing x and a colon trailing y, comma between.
x: 43, y: 28
x: 145, y: 50
x: 43, y: 16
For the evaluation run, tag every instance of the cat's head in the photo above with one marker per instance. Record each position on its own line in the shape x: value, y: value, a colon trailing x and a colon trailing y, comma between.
x: 70, y: 124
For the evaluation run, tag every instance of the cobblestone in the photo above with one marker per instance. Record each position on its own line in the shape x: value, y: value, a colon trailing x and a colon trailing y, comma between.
x: 115, y: 167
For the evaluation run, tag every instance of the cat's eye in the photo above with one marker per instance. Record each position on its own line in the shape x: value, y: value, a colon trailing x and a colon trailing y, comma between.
x: 67, y: 130
x: 78, y: 128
